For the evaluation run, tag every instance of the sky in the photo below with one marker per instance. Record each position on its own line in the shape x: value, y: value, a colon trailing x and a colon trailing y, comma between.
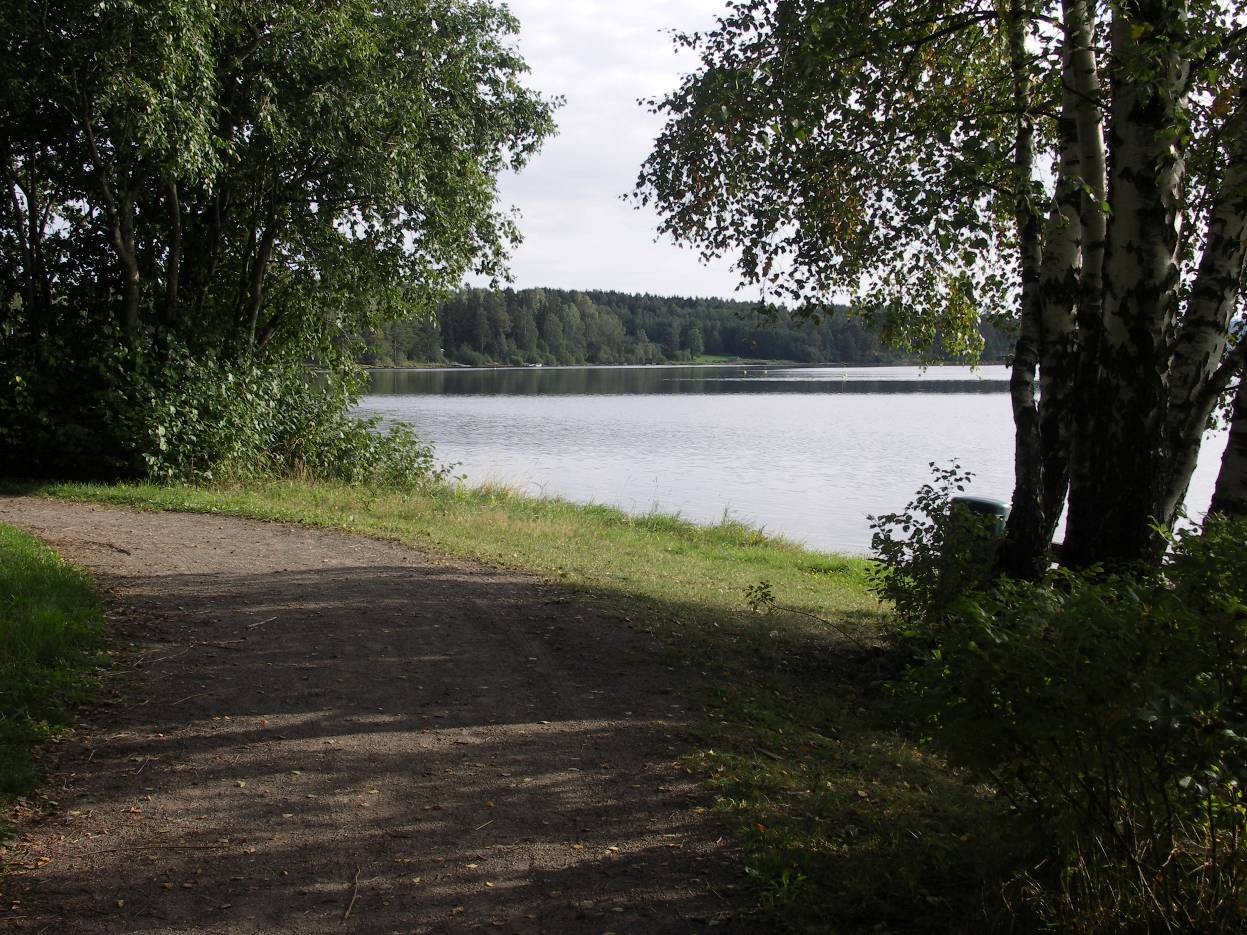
x: 602, y: 55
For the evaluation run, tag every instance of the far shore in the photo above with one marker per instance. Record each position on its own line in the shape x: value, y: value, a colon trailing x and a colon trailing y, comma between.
x: 729, y: 362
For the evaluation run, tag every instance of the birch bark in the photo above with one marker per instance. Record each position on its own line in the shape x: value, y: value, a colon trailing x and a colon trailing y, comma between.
x: 1230, y: 496
x: 1023, y: 545
x: 1118, y: 490
x: 1201, y: 343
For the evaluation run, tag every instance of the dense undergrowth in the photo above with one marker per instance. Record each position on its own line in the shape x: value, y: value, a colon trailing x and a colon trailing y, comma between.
x: 1107, y: 706
x: 49, y: 635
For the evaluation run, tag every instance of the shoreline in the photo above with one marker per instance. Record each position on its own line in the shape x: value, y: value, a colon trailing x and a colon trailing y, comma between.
x: 738, y: 362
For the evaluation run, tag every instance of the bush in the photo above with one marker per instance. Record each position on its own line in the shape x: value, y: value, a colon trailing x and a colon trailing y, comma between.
x: 473, y: 358
x: 164, y: 413
x: 1112, y: 711
x: 67, y: 400
x: 931, y: 554
x: 211, y: 421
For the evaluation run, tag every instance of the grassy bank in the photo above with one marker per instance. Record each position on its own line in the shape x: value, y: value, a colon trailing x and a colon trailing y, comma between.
x: 49, y: 631
x: 847, y: 825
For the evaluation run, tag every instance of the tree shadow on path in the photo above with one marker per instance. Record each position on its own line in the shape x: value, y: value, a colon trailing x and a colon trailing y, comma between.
x: 314, y: 732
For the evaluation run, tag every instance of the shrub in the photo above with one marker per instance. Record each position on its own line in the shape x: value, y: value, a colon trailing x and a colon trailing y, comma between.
x: 209, y: 420
x: 1112, y: 711
x: 164, y: 413
x: 930, y: 554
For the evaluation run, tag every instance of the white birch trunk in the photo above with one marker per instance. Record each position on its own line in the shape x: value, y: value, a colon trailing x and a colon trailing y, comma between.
x: 1230, y: 496
x: 1201, y: 341
x: 1124, y: 446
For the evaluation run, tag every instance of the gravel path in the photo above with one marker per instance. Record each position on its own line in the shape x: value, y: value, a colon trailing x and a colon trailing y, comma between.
x: 309, y: 731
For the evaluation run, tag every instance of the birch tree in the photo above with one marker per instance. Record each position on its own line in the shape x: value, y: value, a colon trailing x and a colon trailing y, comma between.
x: 1077, y: 168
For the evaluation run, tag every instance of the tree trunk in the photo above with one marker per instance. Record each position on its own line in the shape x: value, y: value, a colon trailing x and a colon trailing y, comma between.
x: 1119, y: 490
x: 1020, y: 553
x: 259, y: 268
x: 119, y: 208
x: 173, y: 267
x: 1049, y: 338
x: 1061, y: 280
x: 30, y: 286
x: 123, y: 240
x: 36, y: 224
x: 1230, y: 496
x: 1087, y: 94
x: 1196, y: 385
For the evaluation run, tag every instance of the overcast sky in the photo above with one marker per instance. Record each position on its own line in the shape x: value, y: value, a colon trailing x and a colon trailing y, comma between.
x: 602, y: 55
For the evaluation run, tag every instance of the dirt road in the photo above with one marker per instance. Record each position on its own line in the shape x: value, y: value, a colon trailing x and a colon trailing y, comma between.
x: 308, y: 731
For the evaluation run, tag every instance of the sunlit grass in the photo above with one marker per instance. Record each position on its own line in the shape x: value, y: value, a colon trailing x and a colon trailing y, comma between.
x: 588, y: 547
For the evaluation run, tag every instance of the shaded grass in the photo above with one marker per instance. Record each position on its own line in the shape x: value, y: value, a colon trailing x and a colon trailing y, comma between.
x: 50, y: 629
x: 847, y: 824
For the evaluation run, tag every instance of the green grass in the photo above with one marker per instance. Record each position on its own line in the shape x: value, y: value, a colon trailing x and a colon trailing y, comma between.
x: 846, y: 822
x: 594, y: 548
x: 50, y: 630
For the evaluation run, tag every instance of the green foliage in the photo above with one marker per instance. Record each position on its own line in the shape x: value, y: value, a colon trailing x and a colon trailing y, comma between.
x: 931, y: 553
x: 815, y: 146
x: 1112, y: 711
x: 869, y: 149
x: 480, y: 326
x: 69, y: 389
x: 205, y: 420
x: 202, y: 198
x: 172, y: 415
x: 49, y: 632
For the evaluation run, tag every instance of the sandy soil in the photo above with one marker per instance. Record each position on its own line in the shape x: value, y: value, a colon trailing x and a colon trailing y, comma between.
x: 309, y: 731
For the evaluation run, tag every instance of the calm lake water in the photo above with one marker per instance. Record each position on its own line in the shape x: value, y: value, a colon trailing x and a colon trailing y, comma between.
x: 807, y: 453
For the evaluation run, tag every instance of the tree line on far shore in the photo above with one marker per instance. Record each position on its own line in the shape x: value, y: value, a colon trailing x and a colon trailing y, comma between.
x: 558, y: 326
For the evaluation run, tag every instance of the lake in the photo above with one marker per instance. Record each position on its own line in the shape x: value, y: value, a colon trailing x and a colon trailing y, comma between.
x: 807, y: 453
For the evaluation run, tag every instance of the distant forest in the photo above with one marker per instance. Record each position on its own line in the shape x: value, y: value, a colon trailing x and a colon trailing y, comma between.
x: 556, y: 326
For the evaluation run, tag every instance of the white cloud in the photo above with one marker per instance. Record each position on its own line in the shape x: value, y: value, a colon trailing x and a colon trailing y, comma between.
x: 602, y: 56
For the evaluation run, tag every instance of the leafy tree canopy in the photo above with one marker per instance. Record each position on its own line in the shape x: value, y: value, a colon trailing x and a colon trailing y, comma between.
x: 1078, y: 167
x: 239, y: 184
